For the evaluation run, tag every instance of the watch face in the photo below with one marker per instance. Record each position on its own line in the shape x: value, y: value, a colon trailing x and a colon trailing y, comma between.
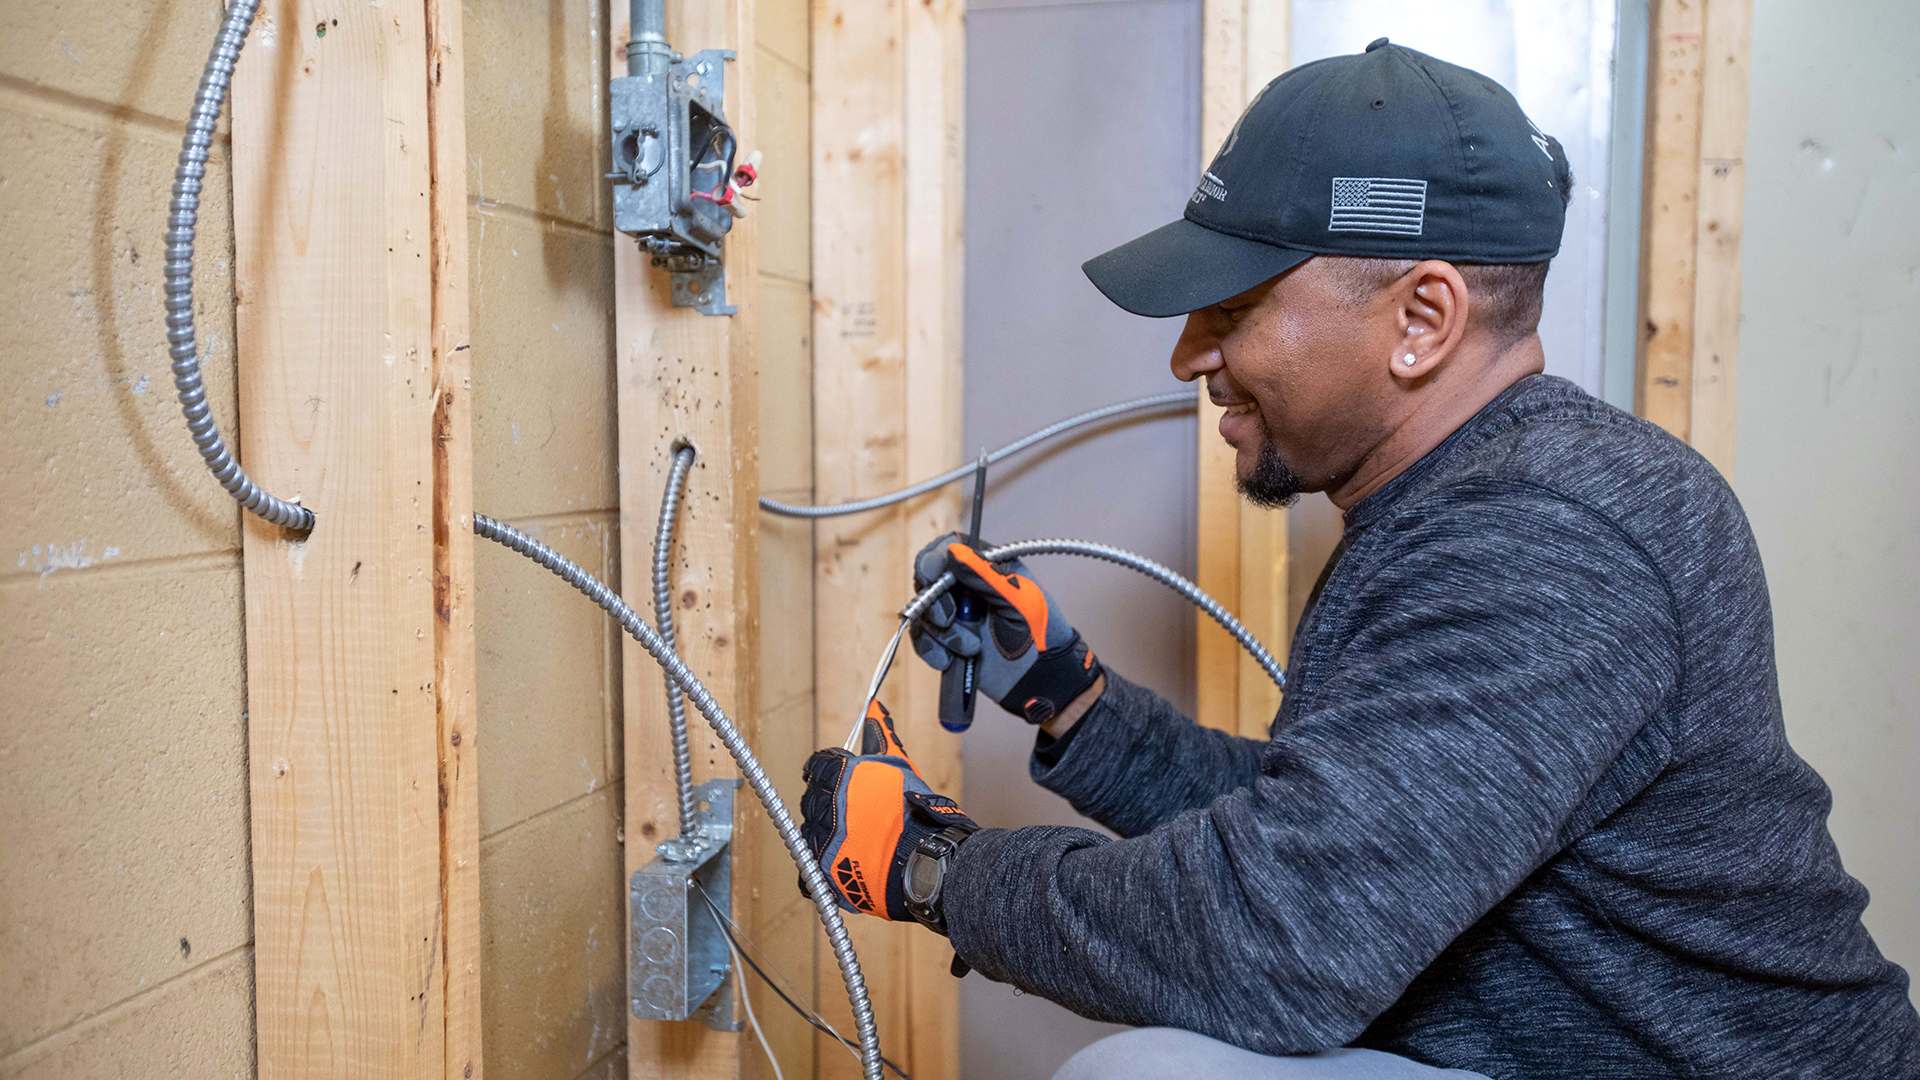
x: 923, y: 877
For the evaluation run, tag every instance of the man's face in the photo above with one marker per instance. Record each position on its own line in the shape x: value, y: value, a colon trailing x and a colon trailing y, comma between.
x: 1291, y: 361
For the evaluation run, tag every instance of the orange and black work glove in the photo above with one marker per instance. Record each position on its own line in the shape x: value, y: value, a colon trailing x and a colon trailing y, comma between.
x: 1027, y: 679
x: 862, y: 816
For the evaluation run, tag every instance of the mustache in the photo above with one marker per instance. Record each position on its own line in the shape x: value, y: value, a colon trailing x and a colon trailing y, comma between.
x: 1220, y: 395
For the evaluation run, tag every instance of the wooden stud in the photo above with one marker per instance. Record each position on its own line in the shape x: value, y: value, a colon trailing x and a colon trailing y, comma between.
x: 684, y: 374
x: 454, y: 675
x: 935, y: 67
x: 784, y: 923
x: 338, y: 318
x: 1263, y: 608
x: 1691, y: 225
x: 1722, y: 192
x: 1242, y: 551
x: 861, y: 429
x: 1217, y: 556
x: 886, y: 266
x: 1663, y: 390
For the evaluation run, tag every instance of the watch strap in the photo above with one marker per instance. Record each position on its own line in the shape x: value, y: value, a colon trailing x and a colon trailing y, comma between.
x: 938, y: 847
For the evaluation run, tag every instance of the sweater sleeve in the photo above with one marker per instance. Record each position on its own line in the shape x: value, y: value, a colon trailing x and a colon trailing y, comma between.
x: 1500, y: 652
x: 1135, y: 761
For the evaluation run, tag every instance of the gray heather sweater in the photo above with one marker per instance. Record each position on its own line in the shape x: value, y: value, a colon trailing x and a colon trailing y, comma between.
x: 1528, y: 808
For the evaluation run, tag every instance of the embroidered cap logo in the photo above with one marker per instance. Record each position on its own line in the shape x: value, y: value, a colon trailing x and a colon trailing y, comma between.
x: 1378, y: 204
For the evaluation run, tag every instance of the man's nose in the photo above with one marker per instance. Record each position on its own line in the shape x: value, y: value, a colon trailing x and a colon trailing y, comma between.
x: 1197, y: 353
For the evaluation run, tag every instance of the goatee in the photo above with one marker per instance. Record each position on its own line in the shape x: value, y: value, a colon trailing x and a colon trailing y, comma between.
x: 1271, y: 484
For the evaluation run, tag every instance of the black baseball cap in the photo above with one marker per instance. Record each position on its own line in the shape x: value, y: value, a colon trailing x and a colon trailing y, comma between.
x: 1389, y: 153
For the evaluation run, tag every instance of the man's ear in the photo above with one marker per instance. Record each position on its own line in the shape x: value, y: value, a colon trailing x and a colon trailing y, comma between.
x: 1431, y: 306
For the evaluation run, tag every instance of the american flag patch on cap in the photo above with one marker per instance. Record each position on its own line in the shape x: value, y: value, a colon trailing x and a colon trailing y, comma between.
x: 1378, y: 204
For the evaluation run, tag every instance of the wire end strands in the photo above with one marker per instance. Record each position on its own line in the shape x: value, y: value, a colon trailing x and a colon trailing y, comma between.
x: 816, y: 880
x: 183, y: 216
x: 1092, y: 416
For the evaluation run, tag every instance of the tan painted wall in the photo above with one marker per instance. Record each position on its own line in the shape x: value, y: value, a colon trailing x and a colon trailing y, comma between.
x: 125, y: 917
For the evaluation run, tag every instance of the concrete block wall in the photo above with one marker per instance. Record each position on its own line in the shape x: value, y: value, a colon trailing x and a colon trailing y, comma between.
x: 540, y: 242
x: 125, y: 909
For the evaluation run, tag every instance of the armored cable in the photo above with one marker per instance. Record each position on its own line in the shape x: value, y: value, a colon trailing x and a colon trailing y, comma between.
x: 683, y: 455
x: 183, y: 217
x: 1092, y: 416
x: 756, y: 777
x: 1105, y: 552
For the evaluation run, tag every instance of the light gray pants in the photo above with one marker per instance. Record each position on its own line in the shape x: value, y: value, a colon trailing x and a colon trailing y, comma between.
x: 1171, y: 1054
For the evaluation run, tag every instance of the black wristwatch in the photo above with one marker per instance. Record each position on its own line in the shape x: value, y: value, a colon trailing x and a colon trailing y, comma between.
x: 927, y: 872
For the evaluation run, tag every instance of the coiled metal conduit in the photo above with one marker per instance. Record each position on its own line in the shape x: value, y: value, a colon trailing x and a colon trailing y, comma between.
x: 184, y: 213
x: 1145, y: 404
x: 756, y: 777
x: 683, y: 455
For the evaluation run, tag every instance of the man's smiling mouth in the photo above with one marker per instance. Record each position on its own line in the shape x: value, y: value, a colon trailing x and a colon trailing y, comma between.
x: 1226, y: 396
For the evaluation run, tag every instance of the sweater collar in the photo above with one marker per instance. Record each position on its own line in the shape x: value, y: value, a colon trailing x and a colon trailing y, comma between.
x: 1506, y: 409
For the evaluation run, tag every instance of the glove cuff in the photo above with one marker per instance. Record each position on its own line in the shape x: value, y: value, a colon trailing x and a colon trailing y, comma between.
x: 1055, y: 679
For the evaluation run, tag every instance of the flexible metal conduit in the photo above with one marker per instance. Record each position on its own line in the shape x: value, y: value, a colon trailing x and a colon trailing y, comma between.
x: 683, y: 455
x: 756, y: 777
x: 181, y: 220
x: 1131, y: 561
x: 1092, y: 416
x: 1194, y: 594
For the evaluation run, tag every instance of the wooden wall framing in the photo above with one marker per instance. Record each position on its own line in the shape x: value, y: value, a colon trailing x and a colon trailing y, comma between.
x: 1695, y: 184
x: 887, y: 261
x: 350, y: 247
x: 1242, y: 549
x: 681, y: 374
x: 349, y: 150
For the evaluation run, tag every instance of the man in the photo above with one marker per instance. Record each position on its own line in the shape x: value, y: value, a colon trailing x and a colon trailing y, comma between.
x: 1528, y: 810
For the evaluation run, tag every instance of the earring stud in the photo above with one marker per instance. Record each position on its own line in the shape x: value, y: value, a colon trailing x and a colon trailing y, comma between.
x: 1409, y: 360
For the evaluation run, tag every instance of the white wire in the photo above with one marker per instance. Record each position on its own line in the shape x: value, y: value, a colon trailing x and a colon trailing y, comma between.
x: 741, y: 933
x: 740, y: 976
x: 852, y: 745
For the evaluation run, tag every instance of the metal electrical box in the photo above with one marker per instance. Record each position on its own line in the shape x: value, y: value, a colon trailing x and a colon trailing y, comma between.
x: 680, y: 969
x: 673, y: 159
